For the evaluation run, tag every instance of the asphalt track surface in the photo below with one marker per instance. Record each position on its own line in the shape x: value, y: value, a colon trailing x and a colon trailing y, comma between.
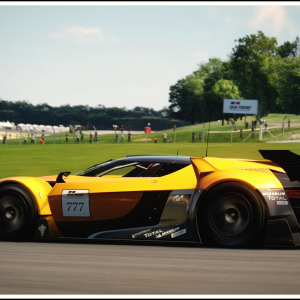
x: 86, y: 268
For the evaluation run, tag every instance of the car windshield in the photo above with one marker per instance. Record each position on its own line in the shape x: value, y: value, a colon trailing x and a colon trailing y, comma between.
x: 124, y: 168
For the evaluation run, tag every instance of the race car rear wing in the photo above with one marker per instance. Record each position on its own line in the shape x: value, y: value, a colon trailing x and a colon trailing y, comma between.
x: 287, y: 160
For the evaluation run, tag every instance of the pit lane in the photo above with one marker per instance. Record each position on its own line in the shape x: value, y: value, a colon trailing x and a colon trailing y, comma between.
x: 130, y: 269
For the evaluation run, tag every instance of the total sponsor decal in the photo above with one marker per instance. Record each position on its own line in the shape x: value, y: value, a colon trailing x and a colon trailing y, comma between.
x: 159, y: 233
x: 280, y: 197
x: 156, y: 232
x: 140, y: 233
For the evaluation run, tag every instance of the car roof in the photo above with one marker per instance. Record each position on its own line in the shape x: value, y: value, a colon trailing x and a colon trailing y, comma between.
x: 158, y: 158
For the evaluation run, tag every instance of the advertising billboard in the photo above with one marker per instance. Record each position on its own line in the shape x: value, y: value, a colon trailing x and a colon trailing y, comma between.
x: 248, y: 107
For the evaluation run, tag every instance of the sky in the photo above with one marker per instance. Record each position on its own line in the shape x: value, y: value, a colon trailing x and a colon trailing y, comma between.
x: 123, y: 54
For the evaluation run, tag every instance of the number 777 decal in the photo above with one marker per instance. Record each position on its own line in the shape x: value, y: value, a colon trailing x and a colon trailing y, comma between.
x: 75, y: 203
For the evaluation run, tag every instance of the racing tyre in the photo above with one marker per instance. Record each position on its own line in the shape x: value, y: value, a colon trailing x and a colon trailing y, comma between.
x: 232, y: 216
x: 18, y: 213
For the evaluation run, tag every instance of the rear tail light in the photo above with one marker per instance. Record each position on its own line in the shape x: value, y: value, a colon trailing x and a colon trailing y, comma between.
x: 292, y: 193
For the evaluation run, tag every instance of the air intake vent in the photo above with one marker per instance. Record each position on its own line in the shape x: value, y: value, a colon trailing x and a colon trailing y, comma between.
x: 259, y: 170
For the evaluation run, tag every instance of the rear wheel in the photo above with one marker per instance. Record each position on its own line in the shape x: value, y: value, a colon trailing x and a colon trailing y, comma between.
x: 18, y: 213
x: 232, y: 216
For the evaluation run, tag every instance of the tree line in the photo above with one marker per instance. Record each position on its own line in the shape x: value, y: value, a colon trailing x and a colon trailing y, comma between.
x: 257, y: 68
x: 101, y: 117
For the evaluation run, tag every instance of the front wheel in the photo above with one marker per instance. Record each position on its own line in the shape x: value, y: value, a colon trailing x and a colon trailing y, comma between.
x: 232, y: 215
x: 18, y: 213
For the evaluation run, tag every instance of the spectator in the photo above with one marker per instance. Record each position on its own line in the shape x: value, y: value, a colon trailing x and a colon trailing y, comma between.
x: 266, y: 126
x: 252, y: 132
x: 95, y: 136
x: 165, y: 137
x: 82, y: 136
x: 122, y: 137
x: 193, y: 137
x: 241, y: 133
x: 129, y: 137
x: 91, y: 137
x: 289, y: 123
x: 234, y: 128
x: 32, y: 138
x: 67, y: 137
x: 25, y: 139
x: 170, y: 140
x: 77, y: 138
x: 200, y: 136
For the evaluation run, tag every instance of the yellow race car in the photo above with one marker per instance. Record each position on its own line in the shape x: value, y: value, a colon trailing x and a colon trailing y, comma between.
x: 227, y: 202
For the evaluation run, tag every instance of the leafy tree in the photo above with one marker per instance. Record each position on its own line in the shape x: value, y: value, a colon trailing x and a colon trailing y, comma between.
x: 289, y: 49
x: 223, y: 89
x: 215, y: 72
x: 254, y: 64
x: 289, y: 85
x: 186, y: 99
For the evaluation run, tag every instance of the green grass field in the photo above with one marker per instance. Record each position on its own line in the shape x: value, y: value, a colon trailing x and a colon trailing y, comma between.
x: 38, y: 160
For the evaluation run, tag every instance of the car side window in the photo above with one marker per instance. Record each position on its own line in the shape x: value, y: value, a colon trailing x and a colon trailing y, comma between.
x: 132, y: 169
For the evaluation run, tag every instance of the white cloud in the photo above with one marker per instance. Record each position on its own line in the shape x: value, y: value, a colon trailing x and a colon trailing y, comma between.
x: 274, y: 16
x: 80, y: 35
x: 275, y: 19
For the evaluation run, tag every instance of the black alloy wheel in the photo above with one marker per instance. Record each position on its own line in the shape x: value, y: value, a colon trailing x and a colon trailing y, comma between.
x: 232, y: 215
x: 18, y: 213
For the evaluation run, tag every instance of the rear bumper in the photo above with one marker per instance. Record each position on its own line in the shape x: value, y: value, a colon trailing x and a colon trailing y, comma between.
x: 282, y: 226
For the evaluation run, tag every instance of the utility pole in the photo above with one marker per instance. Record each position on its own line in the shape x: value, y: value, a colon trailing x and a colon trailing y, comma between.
x: 74, y: 134
x: 261, y: 113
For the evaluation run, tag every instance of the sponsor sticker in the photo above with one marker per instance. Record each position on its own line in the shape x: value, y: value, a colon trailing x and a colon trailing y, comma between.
x: 177, y: 198
x: 140, y: 233
x: 156, y: 232
x: 42, y: 229
x: 180, y: 232
x: 282, y: 203
x: 75, y: 203
x: 280, y: 197
x: 164, y: 233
